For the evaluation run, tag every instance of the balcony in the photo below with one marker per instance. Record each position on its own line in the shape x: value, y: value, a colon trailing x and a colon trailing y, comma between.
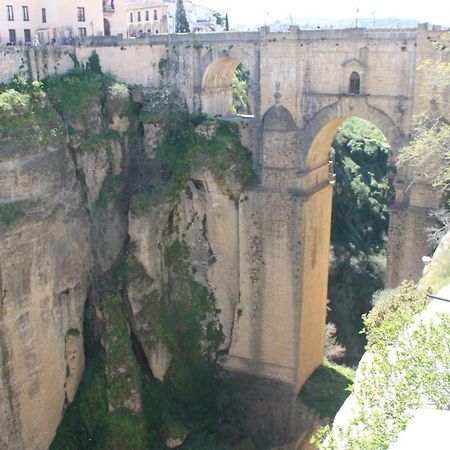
x: 108, y: 6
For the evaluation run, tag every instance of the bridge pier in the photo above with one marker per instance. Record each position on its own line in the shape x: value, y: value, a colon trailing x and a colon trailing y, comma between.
x: 409, y: 219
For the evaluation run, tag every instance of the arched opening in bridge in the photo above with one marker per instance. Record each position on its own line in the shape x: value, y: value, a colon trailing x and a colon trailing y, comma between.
x: 226, y: 88
x: 106, y: 27
x: 348, y: 270
x: 355, y: 83
x: 360, y: 156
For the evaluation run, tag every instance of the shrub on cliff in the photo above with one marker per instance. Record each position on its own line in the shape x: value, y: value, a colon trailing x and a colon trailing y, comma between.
x: 406, y: 366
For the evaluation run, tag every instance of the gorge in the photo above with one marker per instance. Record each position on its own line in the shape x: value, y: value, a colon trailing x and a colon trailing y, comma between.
x: 176, y: 244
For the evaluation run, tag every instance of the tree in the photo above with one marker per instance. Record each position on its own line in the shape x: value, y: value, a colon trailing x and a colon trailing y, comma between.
x: 182, y: 25
x: 227, y: 25
x: 429, y: 151
x: 219, y: 18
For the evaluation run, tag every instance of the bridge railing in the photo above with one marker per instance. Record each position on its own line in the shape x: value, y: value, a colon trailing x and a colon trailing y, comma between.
x: 168, y: 39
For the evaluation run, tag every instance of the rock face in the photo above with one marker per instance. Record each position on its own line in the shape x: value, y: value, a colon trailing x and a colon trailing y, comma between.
x: 70, y: 230
x: 45, y: 256
x: 52, y: 237
x: 206, y: 220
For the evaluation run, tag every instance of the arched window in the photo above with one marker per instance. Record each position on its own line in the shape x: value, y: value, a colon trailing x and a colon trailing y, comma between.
x: 355, y: 83
x: 155, y: 14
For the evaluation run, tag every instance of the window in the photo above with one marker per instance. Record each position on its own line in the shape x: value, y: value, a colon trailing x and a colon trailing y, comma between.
x: 155, y: 14
x: 81, y: 15
x: 131, y: 17
x: 82, y: 31
x: 27, y: 36
x: 10, y: 12
x: 139, y: 16
x: 26, y: 14
x: 157, y: 31
x: 44, y: 15
x: 12, y: 37
x: 355, y: 83
x: 147, y: 15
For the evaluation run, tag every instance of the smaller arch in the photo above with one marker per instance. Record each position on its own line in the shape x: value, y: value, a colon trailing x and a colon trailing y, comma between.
x: 279, y: 139
x: 217, y: 92
x: 354, y: 83
x: 219, y: 72
x: 278, y: 118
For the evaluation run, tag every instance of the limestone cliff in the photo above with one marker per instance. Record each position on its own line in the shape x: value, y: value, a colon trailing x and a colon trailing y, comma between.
x: 53, y: 235
x: 98, y: 202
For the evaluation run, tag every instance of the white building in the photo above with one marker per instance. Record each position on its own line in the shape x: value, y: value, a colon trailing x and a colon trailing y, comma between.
x: 136, y: 17
x: 199, y: 17
x: 21, y: 22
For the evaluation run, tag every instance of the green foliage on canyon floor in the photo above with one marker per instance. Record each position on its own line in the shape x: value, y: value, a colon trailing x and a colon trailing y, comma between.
x: 327, y: 388
x: 184, y: 404
x: 359, y: 228
x: 111, y: 376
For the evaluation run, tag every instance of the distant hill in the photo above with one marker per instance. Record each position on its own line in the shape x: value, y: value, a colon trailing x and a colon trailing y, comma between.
x: 315, y: 22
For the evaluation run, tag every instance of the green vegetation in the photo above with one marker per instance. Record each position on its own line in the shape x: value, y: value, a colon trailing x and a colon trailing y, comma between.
x: 98, y: 141
x: 188, y: 325
x: 185, y: 404
x: 393, y: 311
x: 239, y: 82
x: 327, y: 388
x: 11, y: 212
x: 73, y: 332
x: 111, y: 374
x: 109, y: 192
x: 121, y: 368
x: 79, y: 90
x: 184, y: 148
x: 428, y: 154
x: 361, y: 154
x: 408, y: 367
x: 437, y: 273
x: 141, y: 203
x: 26, y: 117
x: 359, y: 228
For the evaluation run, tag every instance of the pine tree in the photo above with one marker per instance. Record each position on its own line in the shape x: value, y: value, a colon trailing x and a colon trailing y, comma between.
x: 182, y: 25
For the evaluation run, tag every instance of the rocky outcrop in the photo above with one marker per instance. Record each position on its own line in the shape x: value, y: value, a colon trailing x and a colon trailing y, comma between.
x: 89, y: 208
x: 53, y: 234
x: 45, y: 255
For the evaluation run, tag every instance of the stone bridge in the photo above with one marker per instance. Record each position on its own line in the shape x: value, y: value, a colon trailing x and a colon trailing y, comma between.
x: 303, y: 86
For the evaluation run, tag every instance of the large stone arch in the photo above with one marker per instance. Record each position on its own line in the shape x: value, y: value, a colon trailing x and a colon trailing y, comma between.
x: 317, y: 136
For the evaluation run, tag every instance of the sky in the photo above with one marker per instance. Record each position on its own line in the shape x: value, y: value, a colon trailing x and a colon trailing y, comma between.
x: 250, y: 12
